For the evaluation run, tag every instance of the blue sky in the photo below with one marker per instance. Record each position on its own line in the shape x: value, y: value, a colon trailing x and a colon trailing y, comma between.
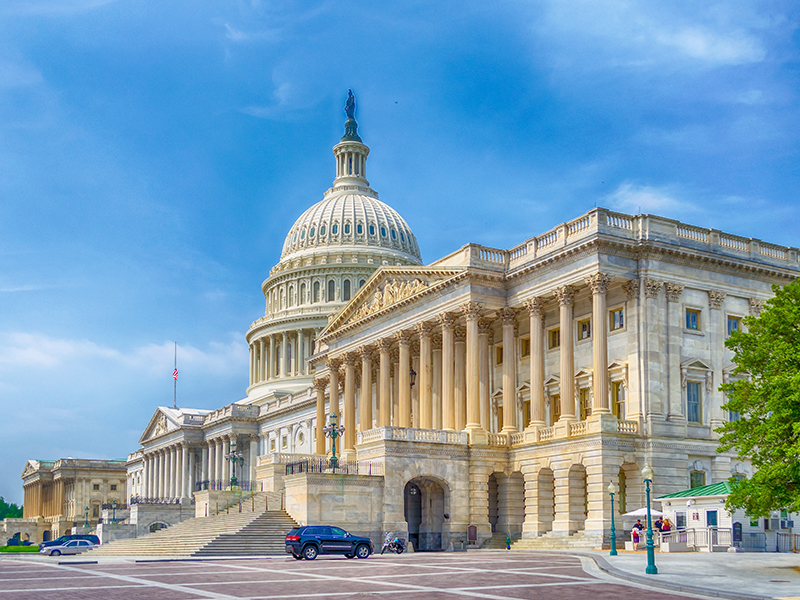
x: 153, y: 156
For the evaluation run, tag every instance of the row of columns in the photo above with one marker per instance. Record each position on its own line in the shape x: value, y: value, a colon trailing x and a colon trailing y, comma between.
x: 270, y: 357
x: 169, y: 472
x: 453, y: 389
x: 43, y: 499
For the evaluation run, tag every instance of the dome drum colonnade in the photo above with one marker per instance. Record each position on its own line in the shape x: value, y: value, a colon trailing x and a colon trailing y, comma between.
x: 453, y: 361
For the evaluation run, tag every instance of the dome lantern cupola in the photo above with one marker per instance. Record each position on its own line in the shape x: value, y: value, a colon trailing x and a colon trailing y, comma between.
x: 351, y: 153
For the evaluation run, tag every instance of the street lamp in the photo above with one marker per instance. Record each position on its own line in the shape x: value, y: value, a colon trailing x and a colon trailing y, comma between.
x: 651, y: 569
x: 234, y: 457
x: 86, y: 518
x: 413, y: 376
x: 333, y: 431
x: 611, y: 490
x: 113, y: 511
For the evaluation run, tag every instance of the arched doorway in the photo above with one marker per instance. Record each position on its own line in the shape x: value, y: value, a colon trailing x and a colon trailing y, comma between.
x: 46, y: 535
x: 578, y: 498
x: 546, y: 501
x: 425, y: 512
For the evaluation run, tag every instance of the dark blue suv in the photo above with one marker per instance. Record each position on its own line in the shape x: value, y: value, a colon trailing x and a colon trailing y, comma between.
x: 309, y: 541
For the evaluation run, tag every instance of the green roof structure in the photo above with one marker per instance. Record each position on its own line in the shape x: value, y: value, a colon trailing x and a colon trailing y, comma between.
x: 723, y: 488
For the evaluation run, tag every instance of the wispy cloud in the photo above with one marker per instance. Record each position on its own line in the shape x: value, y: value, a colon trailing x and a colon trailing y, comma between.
x: 632, y: 198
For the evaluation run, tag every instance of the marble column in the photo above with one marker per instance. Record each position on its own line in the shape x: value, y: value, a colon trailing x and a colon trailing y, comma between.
x: 460, y: 378
x: 192, y: 479
x: 271, y: 362
x: 436, y: 383
x: 365, y: 398
x: 252, y: 362
x: 425, y: 377
x: 184, y: 472
x: 565, y: 295
x: 472, y: 312
x: 333, y: 394
x: 226, y: 468
x: 251, y: 475
x: 404, y: 379
x: 220, y: 464
x: 204, y: 462
x: 395, y: 387
x: 484, y: 361
x: 348, y: 448
x: 598, y: 283
x: 212, y: 461
x: 320, y: 385
x: 385, y: 394
x: 284, y: 366
x: 447, y: 323
x: 509, y: 317
x: 535, y: 308
x: 262, y: 360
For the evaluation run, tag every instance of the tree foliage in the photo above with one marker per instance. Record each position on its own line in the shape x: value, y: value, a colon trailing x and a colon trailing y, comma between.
x: 766, y: 396
x: 9, y: 510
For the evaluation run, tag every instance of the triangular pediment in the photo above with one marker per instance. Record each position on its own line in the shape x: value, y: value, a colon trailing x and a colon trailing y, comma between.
x: 695, y: 363
x: 160, y: 423
x: 387, y: 289
x: 30, y: 468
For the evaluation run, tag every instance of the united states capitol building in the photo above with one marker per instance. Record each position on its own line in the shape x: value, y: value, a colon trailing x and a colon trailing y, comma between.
x: 489, y: 391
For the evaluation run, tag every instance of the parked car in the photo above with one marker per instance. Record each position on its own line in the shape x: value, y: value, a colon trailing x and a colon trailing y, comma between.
x: 69, y: 547
x: 311, y: 540
x: 59, y: 541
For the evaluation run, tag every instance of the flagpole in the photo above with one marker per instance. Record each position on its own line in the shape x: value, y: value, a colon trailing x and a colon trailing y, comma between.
x: 175, y: 392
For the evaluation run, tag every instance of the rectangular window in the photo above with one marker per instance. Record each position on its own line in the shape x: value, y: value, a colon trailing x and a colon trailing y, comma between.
x: 697, y: 479
x: 586, y: 403
x: 284, y: 442
x: 555, y: 408
x: 584, y: 329
x: 272, y: 445
x: 554, y: 338
x: 96, y: 487
x: 711, y: 518
x: 733, y: 416
x: 680, y: 519
x: 525, y: 346
x: 618, y: 399
x: 753, y: 521
x: 114, y: 487
x: 526, y: 414
x: 95, y: 511
x: 692, y: 319
x: 617, y: 319
x: 734, y: 324
x: 499, y: 350
x: 693, y: 401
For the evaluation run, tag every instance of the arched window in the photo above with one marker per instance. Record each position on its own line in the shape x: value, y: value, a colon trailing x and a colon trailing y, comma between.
x: 316, y: 292
x: 346, y: 290
x: 311, y: 232
x: 347, y: 228
x: 361, y: 283
x: 383, y: 231
x: 282, y: 299
x: 394, y: 234
x: 335, y: 228
x: 372, y: 229
x: 402, y: 237
x: 302, y: 299
x: 291, y: 296
x: 359, y: 229
x: 303, y: 234
x: 331, y: 291
x: 322, y: 230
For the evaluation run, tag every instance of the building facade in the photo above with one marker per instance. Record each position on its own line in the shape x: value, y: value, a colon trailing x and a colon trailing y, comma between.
x: 493, y: 391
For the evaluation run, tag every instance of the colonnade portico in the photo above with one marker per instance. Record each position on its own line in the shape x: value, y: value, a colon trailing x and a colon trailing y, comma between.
x: 452, y: 385
x: 169, y: 472
x: 272, y: 359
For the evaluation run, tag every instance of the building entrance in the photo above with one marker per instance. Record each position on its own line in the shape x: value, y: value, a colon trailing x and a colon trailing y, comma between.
x: 425, y: 512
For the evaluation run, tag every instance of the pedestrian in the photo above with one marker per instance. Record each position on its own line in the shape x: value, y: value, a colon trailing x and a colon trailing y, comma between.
x: 666, y: 526
x: 635, y: 538
x: 659, y: 524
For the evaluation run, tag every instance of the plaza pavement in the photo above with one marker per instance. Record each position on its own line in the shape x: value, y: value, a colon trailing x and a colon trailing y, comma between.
x: 495, y: 575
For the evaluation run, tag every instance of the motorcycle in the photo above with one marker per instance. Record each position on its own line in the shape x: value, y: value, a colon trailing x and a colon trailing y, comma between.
x: 393, y: 543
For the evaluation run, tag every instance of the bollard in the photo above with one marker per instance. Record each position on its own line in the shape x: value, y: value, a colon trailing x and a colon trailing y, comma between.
x: 508, y: 542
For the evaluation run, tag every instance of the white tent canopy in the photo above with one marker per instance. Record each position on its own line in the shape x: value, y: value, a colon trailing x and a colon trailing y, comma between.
x: 642, y: 512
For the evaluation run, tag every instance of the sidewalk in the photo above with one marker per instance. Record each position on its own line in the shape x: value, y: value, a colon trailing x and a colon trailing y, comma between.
x: 739, y: 576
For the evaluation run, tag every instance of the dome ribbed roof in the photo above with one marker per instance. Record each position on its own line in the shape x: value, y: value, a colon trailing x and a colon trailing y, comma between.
x: 353, y: 220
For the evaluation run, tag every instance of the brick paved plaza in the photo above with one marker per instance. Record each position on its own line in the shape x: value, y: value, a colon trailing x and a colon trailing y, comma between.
x: 434, y: 576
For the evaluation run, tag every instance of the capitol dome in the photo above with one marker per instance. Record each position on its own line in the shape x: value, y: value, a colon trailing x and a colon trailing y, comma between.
x: 354, y: 219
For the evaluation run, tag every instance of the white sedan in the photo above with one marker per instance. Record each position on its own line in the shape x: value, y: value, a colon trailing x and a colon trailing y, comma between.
x: 70, y: 547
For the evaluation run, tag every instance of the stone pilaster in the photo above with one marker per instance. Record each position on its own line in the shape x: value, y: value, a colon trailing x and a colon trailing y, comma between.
x: 565, y: 295
x: 447, y: 323
x: 598, y: 283
x: 319, y: 385
x: 385, y: 393
x: 509, y: 318
x: 472, y: 312
x: 535, y: 308
x: 425, y: 377
x: 404, y: 378
x: 348, y: 448
x: 365, y: 399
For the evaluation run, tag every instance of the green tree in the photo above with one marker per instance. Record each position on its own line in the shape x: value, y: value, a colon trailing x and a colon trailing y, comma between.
x: 9, y: 511
x: 766, y: 399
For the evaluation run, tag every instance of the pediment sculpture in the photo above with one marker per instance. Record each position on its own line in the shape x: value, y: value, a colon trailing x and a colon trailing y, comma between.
x: 161, y: 425
x: 392, y: 292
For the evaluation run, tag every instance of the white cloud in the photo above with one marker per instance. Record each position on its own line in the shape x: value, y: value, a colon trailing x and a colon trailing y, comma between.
x: 634, y: 199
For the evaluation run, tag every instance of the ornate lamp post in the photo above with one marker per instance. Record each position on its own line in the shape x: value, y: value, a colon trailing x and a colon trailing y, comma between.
x: 651, y: 569
x: 333, y: 431
x: 86, y: 518
x: 611, y: 490
x: 234, y: 457
x: 113, y: 511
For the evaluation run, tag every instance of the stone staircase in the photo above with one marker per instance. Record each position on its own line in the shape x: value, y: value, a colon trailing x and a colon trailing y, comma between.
x: 247, y: 533
x: 548, y: 541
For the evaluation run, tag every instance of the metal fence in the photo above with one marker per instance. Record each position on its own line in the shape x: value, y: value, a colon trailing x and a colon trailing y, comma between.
x: 141, y: 500
x: 220, y: 485
x: 788, y: 542
x: 322, y: 465
x: 753, y: 540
